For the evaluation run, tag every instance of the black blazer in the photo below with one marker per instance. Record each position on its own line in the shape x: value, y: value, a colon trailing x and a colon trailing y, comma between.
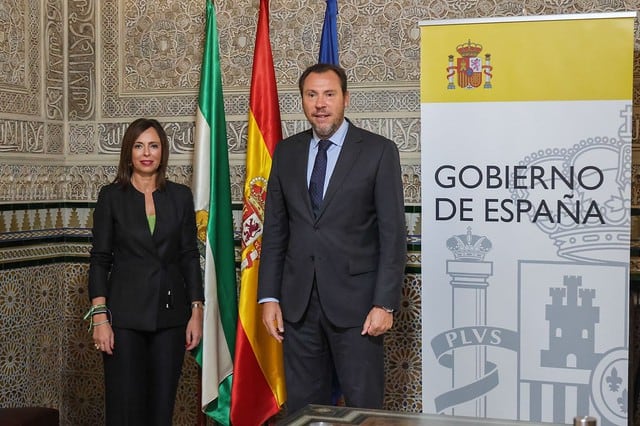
x: 134, y: 269
x: 356, y: 247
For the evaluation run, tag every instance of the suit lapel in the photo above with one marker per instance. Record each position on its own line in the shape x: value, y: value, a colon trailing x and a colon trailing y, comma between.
x: 297, y: 170
x: 347, y: 158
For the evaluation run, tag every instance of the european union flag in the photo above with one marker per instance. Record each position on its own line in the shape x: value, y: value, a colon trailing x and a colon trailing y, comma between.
x: 329, y: 40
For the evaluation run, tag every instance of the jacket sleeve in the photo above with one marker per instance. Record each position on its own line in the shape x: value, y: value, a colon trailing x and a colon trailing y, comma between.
x: 101, y: 254
x: 389, y: 199
x: 189, y: 254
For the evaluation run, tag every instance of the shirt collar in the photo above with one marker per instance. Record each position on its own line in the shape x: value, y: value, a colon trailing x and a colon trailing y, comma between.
x: 337, y: 138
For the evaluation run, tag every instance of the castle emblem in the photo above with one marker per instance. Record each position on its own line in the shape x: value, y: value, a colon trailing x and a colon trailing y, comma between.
x: 469, y: 67
x: 572, y: 318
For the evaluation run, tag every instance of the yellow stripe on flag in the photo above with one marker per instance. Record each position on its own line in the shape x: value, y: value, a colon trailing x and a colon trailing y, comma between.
x: 265, y: 347
x: 258, y: 156
x: 585, y: 53
x: 258, y: 385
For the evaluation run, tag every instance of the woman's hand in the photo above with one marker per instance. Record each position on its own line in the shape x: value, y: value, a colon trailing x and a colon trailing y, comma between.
x: 103, y: 335
x: 194, y: 326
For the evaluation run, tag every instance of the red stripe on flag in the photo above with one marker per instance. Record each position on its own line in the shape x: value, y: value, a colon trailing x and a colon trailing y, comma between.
x: 264, y: 93
x: 250, y: 408
x: 258, y: 383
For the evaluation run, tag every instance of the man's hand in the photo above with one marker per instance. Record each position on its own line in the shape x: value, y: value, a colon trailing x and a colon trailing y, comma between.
x: 378, y: 322
x: 272, y: 320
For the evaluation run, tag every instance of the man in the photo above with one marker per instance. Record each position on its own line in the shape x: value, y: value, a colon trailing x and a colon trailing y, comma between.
x: 333, y: 249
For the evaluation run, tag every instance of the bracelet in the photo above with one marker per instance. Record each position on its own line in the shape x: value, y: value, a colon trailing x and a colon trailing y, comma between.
x: 100, y: 311
x: 197, y: 305
x: 94, y: 310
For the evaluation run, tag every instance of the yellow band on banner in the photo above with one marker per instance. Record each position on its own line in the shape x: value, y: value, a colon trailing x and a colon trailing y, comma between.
x: 499, y: 61
x: 267, y: 351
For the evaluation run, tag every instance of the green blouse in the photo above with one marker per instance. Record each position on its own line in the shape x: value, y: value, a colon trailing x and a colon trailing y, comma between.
x: 152, y: 222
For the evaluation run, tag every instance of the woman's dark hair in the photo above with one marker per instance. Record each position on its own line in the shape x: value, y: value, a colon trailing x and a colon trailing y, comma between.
x: 322, y: 68
x: 125, y: 166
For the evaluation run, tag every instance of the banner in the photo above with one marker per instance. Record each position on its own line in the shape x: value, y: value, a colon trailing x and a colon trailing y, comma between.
x: 258, y: 386
x: 329, y: 38
x: 212, y: 198
x: 526, y: 188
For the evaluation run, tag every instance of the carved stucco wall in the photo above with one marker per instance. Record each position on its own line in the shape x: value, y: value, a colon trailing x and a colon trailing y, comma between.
x: 72, y: 75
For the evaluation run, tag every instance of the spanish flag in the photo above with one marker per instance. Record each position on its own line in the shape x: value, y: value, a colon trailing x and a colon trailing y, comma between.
x: 258, y: 384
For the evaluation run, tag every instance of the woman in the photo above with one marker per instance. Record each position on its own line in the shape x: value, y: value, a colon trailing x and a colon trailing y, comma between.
x: 145, y: 282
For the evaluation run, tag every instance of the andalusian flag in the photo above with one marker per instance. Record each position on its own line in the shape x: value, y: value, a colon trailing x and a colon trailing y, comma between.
x: 212, y: 196
x: 258, y: 385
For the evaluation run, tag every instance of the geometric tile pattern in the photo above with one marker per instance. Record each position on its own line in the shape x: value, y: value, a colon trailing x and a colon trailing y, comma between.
x: 46, y: 355
x: 403, y: 351
x: 31, y: 316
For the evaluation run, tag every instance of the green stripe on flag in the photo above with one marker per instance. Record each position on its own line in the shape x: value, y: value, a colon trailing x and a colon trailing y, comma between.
x: 220, y: 223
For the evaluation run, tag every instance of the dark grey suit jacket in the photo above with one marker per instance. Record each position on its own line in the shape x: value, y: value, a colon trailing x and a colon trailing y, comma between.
x: 135, y: 269
x: 356, y: 247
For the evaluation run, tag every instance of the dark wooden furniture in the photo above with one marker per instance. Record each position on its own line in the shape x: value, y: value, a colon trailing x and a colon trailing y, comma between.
x: 29, y: 416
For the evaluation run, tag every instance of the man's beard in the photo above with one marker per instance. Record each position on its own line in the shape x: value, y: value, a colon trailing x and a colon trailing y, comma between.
x: 325, y: 131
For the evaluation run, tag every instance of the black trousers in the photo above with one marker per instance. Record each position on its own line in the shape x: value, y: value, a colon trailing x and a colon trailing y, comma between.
x: 314, y: 346
x: 141, y: 377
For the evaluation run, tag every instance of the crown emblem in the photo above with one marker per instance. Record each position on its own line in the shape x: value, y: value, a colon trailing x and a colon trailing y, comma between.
x: 257, y: 195
x: 469, y: 246
x: 589, y: 222
x: 469, y: 50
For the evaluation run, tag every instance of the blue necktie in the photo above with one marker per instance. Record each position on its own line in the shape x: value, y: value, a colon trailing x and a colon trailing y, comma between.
x: 316, y: 183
